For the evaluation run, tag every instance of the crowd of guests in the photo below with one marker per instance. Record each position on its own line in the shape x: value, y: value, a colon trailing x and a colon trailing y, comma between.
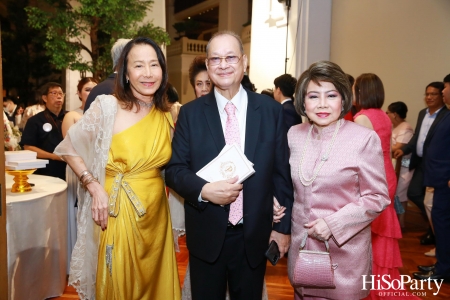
x: 330, y: 166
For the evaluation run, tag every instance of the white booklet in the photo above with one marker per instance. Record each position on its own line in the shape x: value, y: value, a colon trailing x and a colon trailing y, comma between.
x: 230, y: 162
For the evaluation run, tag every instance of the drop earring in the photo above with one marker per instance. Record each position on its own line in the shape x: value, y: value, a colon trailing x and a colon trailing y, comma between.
x: 127, y: 80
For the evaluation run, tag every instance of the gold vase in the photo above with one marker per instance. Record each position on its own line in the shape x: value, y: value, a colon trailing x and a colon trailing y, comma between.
x: 21, y: 184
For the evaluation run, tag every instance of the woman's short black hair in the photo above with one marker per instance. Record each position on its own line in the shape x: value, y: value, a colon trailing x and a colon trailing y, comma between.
x: 399, y: 108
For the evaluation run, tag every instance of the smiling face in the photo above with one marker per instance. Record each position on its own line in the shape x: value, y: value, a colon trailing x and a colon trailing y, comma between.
x: 85, y: 90
x: 143, y: 72
x: 226, y: 76
x: 323, y: 103
x: 202, y: 84
x: 433, y: 98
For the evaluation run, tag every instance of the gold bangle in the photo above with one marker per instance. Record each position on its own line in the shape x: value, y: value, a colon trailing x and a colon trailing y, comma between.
x: 83, y: 174
x: 89, y: 180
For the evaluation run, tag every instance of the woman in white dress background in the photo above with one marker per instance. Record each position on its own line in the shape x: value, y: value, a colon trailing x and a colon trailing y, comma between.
x: 84, y: 87
x: 402, y: 132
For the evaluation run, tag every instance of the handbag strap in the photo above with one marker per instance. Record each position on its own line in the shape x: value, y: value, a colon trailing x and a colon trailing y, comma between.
x: 303, y: 244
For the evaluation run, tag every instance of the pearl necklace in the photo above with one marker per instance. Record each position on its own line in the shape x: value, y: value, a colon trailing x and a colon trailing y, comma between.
x: 145, y: 104
x: 303, y: 179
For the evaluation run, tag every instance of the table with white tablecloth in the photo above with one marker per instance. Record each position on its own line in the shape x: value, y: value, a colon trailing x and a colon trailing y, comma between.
x: 36, y: 225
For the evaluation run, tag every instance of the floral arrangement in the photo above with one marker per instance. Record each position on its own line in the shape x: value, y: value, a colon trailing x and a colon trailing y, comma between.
x: 12, y: 135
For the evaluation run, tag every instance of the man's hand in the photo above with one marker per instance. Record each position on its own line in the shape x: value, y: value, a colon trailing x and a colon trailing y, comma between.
x: 319, y: 230
x: 278, y: 211
x: 283, y: 241
x: 222, y: 192
x: 398, y: 153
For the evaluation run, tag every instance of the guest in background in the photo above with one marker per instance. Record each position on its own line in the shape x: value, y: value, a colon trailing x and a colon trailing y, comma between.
x: 247, y: 84
x: 11, y: 138
x: 106, y: 87
x: 198, y: 76
x: 43, y: 131
x: 31, y: 111
x: 436, y: 175
x: 84, y: 87
x: 268, y: 92
x: 118, y: 149
x: 172, y: 99
x: 352, y: 112
x: 284, y: 94
x: 401, y: 134
x: 330, y: 205
x: 10, y: 107
x: 368, y: 92
x: 19, y: 113
x: 426, y: 122
x: 176, y: 202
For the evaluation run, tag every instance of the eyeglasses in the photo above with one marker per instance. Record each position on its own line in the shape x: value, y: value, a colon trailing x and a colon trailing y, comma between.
x: 56, y: 94
x: 432, y: 94
x: 232, y: 59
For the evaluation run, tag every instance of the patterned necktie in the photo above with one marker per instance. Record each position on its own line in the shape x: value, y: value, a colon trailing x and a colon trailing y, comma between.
x: 232, y: 136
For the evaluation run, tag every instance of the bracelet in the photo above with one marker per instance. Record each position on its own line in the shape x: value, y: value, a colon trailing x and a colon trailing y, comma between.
x: 89, y: 180
x: 82, y: 174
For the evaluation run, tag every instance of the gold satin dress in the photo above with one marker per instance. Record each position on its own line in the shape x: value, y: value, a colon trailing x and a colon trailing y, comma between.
x: 136, y: 257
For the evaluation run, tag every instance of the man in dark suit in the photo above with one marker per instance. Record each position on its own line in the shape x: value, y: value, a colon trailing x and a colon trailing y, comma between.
x: 437, y: 175
x: 284, y: 93
x: 106, y: 87
x: 224, y: 249
x: 426, y: 123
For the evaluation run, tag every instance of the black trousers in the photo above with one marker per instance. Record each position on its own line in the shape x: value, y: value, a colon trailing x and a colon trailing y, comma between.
x: 209, y: 280
x: 440, y: 214
x: 416, y: 189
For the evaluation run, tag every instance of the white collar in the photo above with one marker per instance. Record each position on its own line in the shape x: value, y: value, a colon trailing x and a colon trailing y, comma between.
x: 236, y: 100
x: 286, y: 100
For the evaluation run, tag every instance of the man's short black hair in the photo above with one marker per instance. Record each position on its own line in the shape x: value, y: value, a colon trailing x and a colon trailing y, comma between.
x: 287, y: 84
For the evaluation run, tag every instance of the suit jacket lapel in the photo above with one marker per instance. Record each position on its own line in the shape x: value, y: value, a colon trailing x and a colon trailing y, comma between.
x: 439, y: 117
x: 213, y: 119
x: 252, y: 126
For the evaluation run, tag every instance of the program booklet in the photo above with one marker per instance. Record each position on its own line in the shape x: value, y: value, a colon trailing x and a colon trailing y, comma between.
x: 230, y: 162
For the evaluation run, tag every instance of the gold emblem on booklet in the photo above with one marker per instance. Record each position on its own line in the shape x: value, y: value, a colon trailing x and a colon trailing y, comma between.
x: 227, y: 169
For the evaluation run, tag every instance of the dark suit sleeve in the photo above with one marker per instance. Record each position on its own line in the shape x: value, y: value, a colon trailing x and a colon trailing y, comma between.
x: 179, y: 176
x: 291, y: 117
x: 282, y: 181
x: 409, y: 148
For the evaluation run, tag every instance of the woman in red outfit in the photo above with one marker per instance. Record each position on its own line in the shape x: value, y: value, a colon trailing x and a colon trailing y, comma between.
x: 369, y: 98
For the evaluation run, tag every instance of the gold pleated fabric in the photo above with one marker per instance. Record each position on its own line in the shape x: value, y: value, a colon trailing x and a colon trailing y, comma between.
x: 136, y: 253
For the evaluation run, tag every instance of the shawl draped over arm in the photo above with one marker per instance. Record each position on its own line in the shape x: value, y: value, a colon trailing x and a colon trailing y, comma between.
x: 90, y: 139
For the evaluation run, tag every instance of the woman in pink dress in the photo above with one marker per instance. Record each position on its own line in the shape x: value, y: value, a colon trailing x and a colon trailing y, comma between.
x: 369, y: 98
x: 339, y: 183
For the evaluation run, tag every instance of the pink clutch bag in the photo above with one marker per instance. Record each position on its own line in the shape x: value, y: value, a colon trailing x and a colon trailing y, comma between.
x: 314, y: 268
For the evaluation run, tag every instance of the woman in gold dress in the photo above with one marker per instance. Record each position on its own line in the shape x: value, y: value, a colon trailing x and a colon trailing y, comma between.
x: 124, y: 248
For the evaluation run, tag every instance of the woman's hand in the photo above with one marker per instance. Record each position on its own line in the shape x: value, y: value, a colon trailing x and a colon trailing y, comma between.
x: 319, y: 230
x: 278, y: 211
x: 99, y: 206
